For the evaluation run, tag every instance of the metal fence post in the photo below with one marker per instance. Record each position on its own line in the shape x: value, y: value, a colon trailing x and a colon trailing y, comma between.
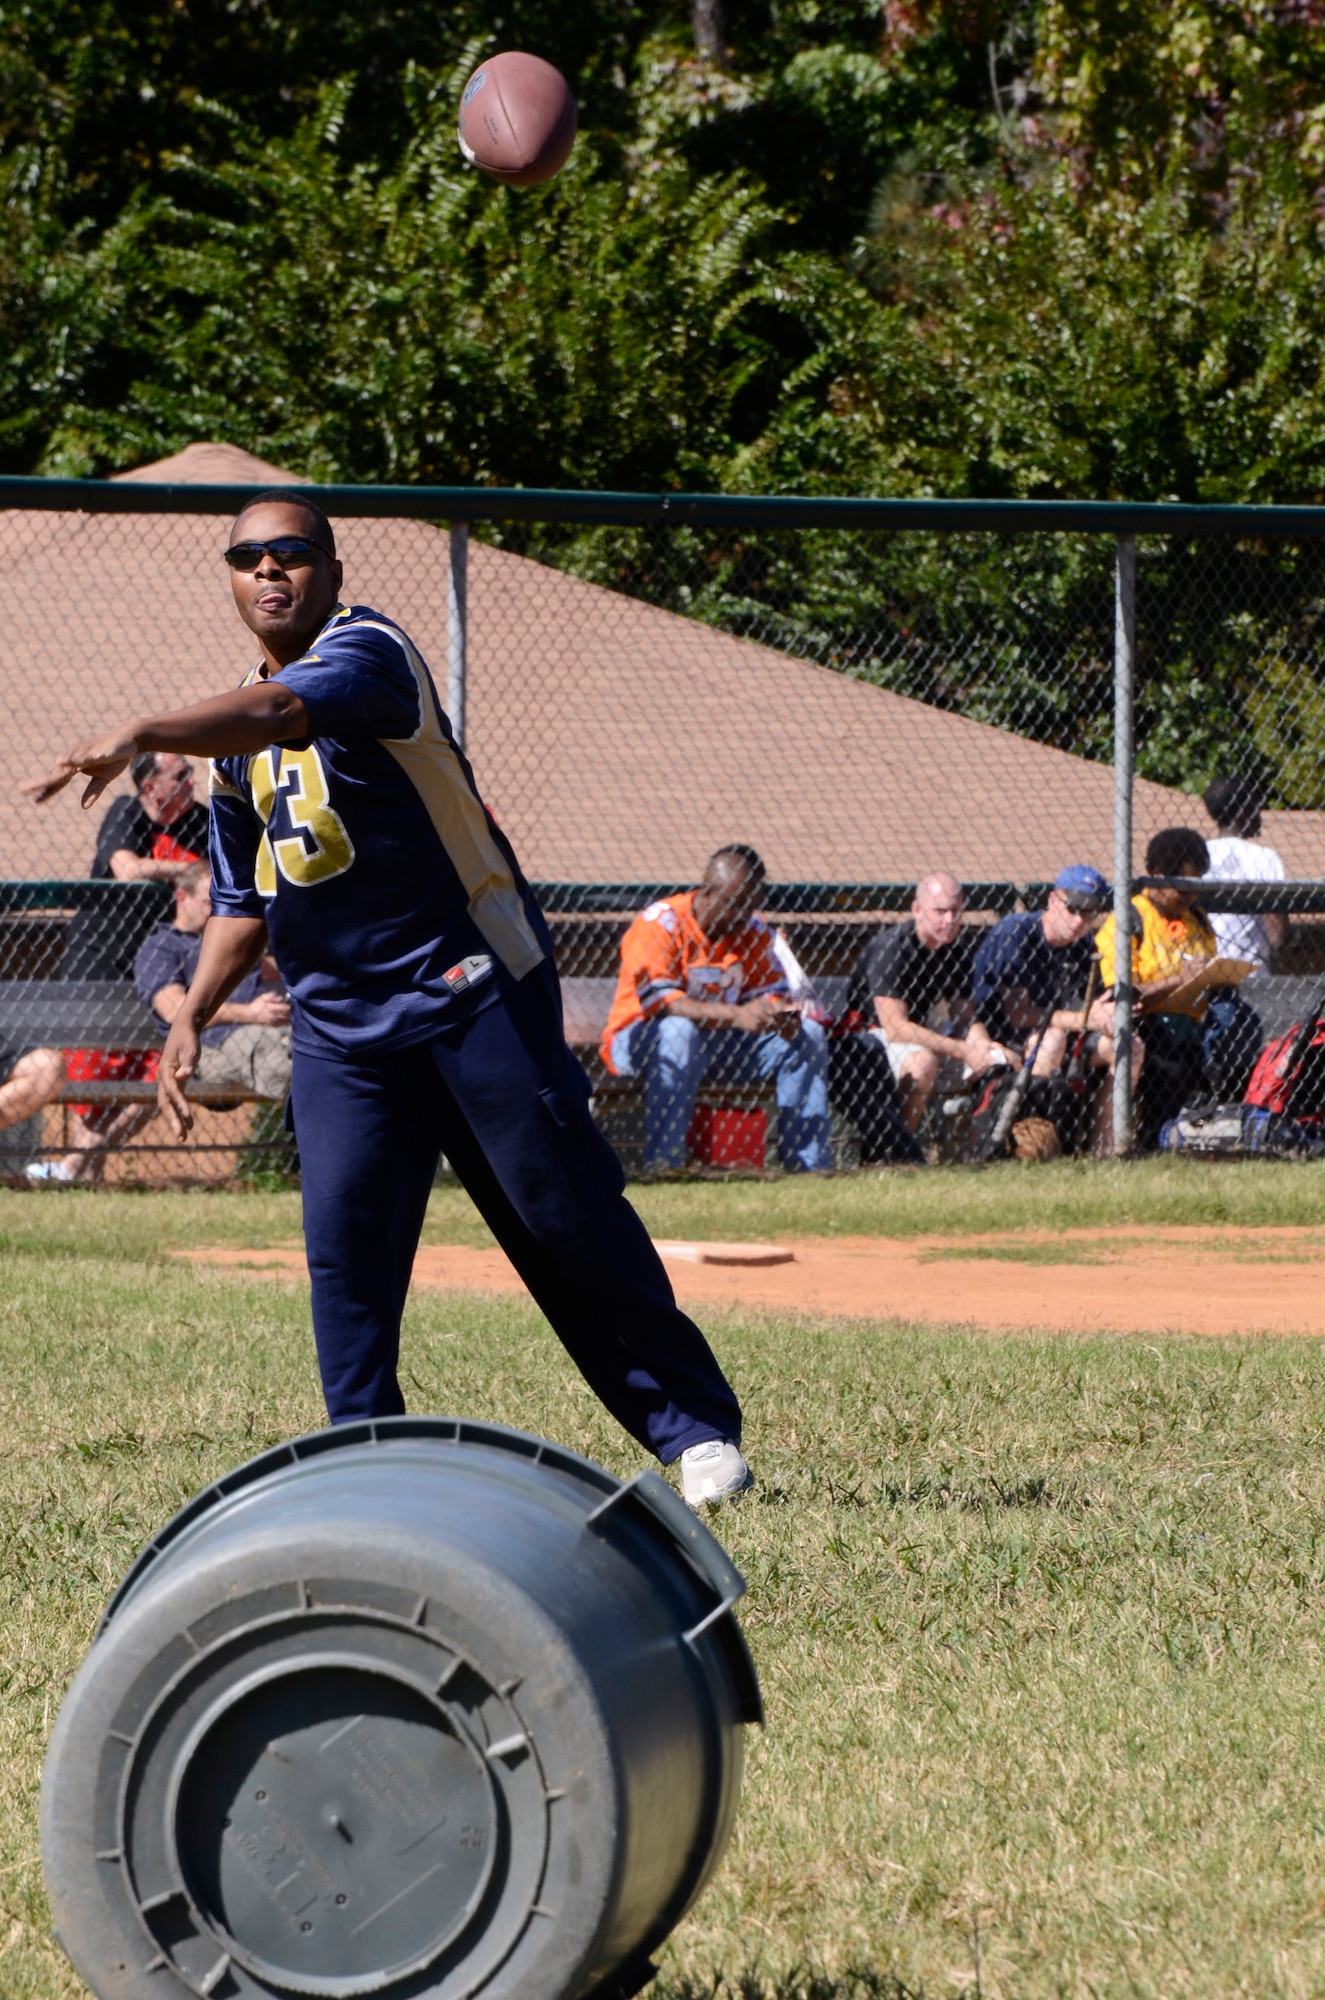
x: 457, y: 629
x: 1124, y: 762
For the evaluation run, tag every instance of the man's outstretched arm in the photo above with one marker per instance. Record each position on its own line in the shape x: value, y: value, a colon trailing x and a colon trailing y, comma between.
x: 230, y: 725
x: 231, y: 947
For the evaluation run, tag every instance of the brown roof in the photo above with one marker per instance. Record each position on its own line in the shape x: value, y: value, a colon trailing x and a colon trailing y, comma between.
x: 614, y: 741
x: 212, y: 465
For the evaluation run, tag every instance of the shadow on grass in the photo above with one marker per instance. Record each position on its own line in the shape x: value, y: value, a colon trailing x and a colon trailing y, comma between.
x: 858, y: 1983
x: 938, y: 1490
x: 981, y: 1499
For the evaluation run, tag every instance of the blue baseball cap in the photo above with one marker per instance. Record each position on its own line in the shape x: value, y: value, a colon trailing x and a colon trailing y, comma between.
x: 1079, y: 880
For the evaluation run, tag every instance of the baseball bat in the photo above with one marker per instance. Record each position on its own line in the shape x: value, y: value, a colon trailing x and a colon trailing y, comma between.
x: 1011, y: 1106
x: 1076, y: 1063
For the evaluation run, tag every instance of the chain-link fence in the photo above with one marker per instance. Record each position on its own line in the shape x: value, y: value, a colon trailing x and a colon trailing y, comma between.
x: 871, y: 696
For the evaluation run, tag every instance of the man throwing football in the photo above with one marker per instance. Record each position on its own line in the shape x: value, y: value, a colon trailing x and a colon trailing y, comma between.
x: 348, y: 837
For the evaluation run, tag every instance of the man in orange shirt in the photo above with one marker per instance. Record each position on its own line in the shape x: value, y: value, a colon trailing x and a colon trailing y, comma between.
x: 702, y: 993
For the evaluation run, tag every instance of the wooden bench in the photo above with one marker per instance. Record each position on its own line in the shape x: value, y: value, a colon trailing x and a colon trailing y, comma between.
x: 94, y: 1014
x: 108, y: 1014
x: 143, y: 1092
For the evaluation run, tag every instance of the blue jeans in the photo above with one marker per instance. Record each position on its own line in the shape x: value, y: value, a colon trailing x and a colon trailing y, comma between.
x: 674, y: 1055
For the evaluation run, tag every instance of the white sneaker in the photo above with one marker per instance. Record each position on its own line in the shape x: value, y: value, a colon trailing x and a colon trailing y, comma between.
x: 713, y: 1473
x: 48, y: 1170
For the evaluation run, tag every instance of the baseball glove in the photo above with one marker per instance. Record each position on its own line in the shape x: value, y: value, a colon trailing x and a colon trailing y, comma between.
x: 1036, y: 1139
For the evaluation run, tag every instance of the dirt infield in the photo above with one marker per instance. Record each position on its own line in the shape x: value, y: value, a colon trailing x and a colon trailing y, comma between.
x: 1176, y: 1280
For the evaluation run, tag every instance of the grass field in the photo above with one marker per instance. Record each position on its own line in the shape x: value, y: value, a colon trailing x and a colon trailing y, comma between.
x: 1040, y: 1622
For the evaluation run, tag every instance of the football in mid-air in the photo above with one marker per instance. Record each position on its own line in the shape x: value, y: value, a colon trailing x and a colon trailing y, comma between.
x: 517, y: 119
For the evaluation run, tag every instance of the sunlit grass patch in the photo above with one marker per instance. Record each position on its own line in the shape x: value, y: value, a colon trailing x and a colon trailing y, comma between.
x: 1040, y: 1623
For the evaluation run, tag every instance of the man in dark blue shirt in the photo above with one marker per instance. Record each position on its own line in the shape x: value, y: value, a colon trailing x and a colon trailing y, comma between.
x: 1032, y: 971
x: 248, y: 1042
x: 425, y: 1012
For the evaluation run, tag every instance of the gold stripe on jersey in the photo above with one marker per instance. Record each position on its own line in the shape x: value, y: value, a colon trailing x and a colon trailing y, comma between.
x: 432, y: 765
x: 430, y: 762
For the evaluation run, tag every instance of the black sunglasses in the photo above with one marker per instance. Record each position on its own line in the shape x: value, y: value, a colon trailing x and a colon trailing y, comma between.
x: 291, y: 551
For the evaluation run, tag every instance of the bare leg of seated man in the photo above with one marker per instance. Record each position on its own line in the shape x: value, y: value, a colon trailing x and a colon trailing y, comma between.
x: 916, y: 1078
x: 34, y: 1080
x: 1049, y: 1056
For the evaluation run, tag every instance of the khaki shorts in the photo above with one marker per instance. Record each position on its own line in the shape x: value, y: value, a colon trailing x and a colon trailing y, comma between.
x: 952, y: 1073
x: 250, y: 1058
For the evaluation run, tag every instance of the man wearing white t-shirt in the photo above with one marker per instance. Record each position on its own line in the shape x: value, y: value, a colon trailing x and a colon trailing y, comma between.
x: 1233, y: 1031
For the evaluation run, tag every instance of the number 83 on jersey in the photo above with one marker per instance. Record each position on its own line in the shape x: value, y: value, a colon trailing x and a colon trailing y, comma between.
x: 321, y: 847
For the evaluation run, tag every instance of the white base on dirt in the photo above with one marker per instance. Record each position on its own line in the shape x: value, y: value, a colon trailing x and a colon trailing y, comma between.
x: 726, y: 1253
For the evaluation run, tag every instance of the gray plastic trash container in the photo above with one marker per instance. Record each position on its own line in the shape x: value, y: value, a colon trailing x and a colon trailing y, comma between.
x: 419, y: 1707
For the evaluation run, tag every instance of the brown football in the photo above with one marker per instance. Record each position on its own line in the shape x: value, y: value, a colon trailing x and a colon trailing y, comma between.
x: 517, y: 119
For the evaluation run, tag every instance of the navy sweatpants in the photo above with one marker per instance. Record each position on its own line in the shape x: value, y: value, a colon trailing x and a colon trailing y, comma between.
x: 504, y: 1099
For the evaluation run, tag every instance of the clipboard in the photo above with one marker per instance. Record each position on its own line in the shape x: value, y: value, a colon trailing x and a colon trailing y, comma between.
x: 1213, y: 972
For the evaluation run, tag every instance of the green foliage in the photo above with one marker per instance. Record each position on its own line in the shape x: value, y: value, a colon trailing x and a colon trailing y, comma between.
x: 965, y: 247
x: 114, y: 88
x: 1138, y: 86
x: 1287, y: 710
x: 415, y: 324
x: 1111, y: 345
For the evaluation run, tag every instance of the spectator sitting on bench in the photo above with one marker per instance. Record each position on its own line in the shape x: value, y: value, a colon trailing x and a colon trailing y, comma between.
x: 1032, y: 972
x: 1170, y: 945
x: 702, y: 994
x: 152, y: 837
x: 247, y: 1045
x: 915, y: 981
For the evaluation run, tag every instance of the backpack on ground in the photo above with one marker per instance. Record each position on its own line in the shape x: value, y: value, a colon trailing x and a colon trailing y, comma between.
x: 1212, y: 1130
x: 1289, y: 1077
x: 1270, y: 1133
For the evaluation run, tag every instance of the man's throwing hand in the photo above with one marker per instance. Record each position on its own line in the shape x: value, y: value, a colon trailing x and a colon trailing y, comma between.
x: 179, y: 1059
x: 101, y: 760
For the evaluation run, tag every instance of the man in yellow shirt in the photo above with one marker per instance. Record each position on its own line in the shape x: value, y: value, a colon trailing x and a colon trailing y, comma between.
x: 1172, y: 942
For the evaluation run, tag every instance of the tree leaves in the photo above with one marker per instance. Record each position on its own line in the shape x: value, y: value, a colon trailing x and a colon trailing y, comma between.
x: 987, y: 247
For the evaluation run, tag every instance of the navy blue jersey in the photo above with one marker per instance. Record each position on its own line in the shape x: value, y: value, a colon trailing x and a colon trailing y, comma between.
x: 393, y: 904
x: 1016, y: 953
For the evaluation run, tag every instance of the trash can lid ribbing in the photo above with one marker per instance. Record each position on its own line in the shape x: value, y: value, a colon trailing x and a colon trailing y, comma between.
x: 413, y: 1708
